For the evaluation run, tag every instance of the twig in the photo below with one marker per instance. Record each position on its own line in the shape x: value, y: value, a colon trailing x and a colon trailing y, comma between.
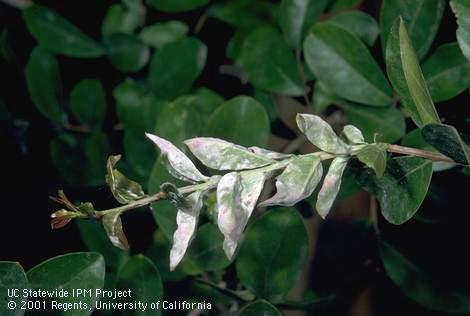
x: 234, y: 71
x: 200, y: 23
x: 295, y: 144
x: 419, y: 153
x: 77, y: 128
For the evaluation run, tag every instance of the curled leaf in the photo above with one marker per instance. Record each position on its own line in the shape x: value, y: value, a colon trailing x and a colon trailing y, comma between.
x: 113, y: 226
x: 353, y: 135
x: 374, y: 156
x: 222, y: 155
x: 179, y: 165
x: 61, y: 218
x: 296, y: 182
x: 186, y: 219
x: 331, y: 186
x: 123, y: 189
x: 321, y: 134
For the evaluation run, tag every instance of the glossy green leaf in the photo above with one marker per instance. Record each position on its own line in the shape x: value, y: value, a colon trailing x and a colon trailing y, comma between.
x: 221, y: 155
x: 321, y: 134
x: 331, y: 185
x: 229, y: 122
x: 112, y: 224
x: 297, y: 16
x: 119, y: 19
x: 422, y: 18
x: 44, y: 84
x: 12, y: 277
x: 74, y: 168
x: 266, y: 100
x: 322, y: 97
x: 385, y: 124
x: 97, y: 149
x: 123, y: 189
x: 58, y: 35
x: 296, y: 182
x: 206, y: 101
x: 273, y: 253
x: 359, y: 23
x: 139, y: 153
x: 82, y: 270
x: 88, y: 102
x: 339, y: 5
x: 374, y: 156
x: 160, y: 34
x: 126, y: 52
x: 269, y: 64
x: 402, y: 189
x: 461, y: 10
x: 447, y: 72
x: 419, y: 285
x: 446, y: 139
x: 177, y: 5
x: 346, y: 67
x: 141, y: 277
x: 260, y: 307
x: 406, y: 76
x: 175, y: 66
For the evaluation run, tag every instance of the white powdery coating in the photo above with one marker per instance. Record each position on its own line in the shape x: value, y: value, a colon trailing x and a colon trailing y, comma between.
x: 222, y: 155
x: 331, y: 186
x: 353, y: 134
x: 321, y: 134
x: 296, y: 182
x: 180, y: 166
x: 186, y: 221
x: 269, y: 153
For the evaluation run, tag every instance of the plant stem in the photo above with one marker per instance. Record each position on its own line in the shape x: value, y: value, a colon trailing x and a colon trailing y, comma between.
x: 419, y: 153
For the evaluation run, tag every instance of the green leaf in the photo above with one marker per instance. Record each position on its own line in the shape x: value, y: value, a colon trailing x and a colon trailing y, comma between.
x: 221, y: 155
x: 141, y: 277
x: 58, y: 35
x: 347, y: 67
x: 139, y: 153
x: 73, y: 168
x: 126, y: 52
x: 175, y: 66
x: 331, y: 185
x: 321, y: 134
x: 358, y: 23
x: 461, y: 10
x: 81, y: 270
x: 297, y: 16
x: 406, y: 77
x: 402, y: 189
x: 269, y: 63
x: 44, y: 84
x: 339, y: 5
x: 229, y: 122
x: 12, y: 276
x: 88, y: 102
x: 119, y: 19
x: 177, y: 5
x: 423, y: 18
x: 418, y: 285
x: 322, y: 97
x: 113, y: 226
x: 178, y: 164
x: 260, y: 307
x: 266, y: 100
x: 296, y: 182
x: 96, y: 148
x: 123, y: 189
x: 447, y: 72
x: 273, y: 253
x: 387, y: 124
x: 446, y: 139
x: 160, y: 34
x: 374, y: 156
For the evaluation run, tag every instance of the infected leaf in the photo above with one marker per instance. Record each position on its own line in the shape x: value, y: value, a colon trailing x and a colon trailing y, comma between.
x: 331, y: 186
x: 353, y: 135
x: 123, y: 189
x: 374, y: 156
x: 113, y: 226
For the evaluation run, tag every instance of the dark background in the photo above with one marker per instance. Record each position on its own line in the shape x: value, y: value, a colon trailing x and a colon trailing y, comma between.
x: 28, y: 177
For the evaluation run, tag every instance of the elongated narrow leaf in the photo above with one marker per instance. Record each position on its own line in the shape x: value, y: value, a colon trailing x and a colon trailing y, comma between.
x: 447, y: 72
x: 58, y: 35
x: 222, y: 155
x: 321, y: 134
x: 296, y: 182
x: 113, y: 226
x: 447, y: 140
x: 374, y: 156
x: 12, y: 277
x: 123, y: 189
x: 461, y: 10
x: 179, y: 165
x: 353, y: 135
x: 297, y: 16
x: 359, y: 23
x: 402, y: 189
x: 186, y: 220
x: 344, y: 64
x: 331, y: 186
x: 421, y: 16
x: 406, y: 76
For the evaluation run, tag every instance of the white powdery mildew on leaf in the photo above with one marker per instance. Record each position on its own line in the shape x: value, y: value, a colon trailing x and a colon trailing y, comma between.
x: 222, y: 155
x: 296, y: 182
x: 321, y: 134
x: 113, y: 226
x: 186, y: 221
x: 179, y: 165
x: 331, y: 186
x: 269, y: 153
x: 353, y: 134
